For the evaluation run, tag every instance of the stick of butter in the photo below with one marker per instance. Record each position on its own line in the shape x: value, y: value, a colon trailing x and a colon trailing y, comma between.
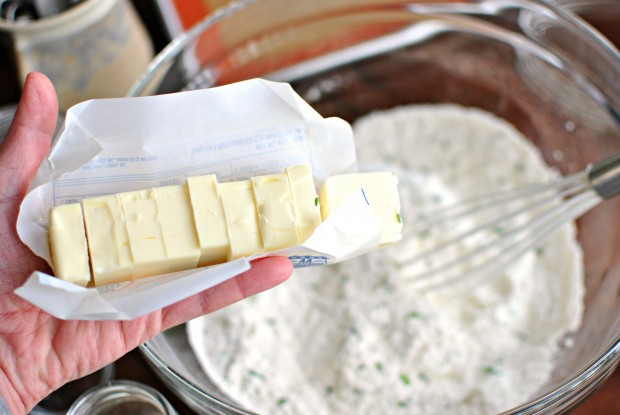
x: 276, y: 214
x: 241, y: 219
x: 177, y: 224
x: 305, y: 200
x: 209, y: 219
x: 381, y: 191
x: 167, y: 229
x: 68, y: 244
x: 146, y: 238
x: 108, y: 241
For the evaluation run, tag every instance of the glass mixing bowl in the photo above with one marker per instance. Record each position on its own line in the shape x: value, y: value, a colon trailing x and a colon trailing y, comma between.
x: 541, y: 68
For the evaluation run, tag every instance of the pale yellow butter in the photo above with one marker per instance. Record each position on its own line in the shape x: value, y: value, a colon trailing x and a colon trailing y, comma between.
x: 146, y: 239
x: 177, y: 224
x: 174, y: 228
x: 276, y: 213
x: 209, y: 219
x: 305, y: 200
x: 380, y: 190
x: 108, y: 241
x: 241, y: 219
x: 68, y: 248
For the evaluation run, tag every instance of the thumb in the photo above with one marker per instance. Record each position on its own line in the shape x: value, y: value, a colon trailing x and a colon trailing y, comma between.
x: 28, y: 139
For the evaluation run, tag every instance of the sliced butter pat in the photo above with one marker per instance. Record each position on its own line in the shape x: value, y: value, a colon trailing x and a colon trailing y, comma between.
x: 241, y: 219
x: 108, y: 241
x: 68, y: 244
x: 146, y: 238
x: 381, y: 191
x: 177, y: 224
x: 209, y: 219
x: 305, y: 200
x: 276, y: 213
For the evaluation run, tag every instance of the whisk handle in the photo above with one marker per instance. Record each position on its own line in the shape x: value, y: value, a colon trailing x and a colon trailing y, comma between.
x: 604, y: 176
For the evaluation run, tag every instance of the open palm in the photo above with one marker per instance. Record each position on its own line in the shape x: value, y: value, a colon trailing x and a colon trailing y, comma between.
x: 39, y: 353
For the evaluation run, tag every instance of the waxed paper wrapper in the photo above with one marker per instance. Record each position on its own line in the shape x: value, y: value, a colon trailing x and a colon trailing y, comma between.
x: 236, y: 131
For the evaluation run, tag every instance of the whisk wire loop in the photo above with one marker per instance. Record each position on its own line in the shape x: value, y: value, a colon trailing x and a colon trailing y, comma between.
x: 508, y: 246
x: 568, y: 186
x: 528, y: 215
x: 547, y: 194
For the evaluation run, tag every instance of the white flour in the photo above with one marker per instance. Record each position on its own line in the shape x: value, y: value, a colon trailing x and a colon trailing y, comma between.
x: 355, y: 338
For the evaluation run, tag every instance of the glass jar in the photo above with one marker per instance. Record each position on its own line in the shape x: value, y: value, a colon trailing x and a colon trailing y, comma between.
x: 122, y: 397
x: 95, y: 49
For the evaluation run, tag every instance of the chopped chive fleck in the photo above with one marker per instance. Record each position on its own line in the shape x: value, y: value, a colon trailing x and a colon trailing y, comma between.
x: 271, y: 321
x: 384, y: 285
x: 498, y: 229
x: 413, y: 314
x: 358, y: 391
x: 361, y: 366
x: 281, y: 401
x: 316, y: 201
x: 539, y: 251
x: 255, y: 374
x: 405, y: 379
x: 398, y: 218
x: 422, y: 376
x: 403, y: 404
x: 520, y: 167
x: 490, y: 370
x: 329, y: 389
x: 379, y: 366
x: 424, y: 234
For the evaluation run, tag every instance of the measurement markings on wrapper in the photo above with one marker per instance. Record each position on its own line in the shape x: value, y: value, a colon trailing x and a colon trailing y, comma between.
x: 268, y: 152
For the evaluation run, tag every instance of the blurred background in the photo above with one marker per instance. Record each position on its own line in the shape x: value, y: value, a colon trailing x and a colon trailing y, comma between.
x: 29, y: 42
x: 99, y: 48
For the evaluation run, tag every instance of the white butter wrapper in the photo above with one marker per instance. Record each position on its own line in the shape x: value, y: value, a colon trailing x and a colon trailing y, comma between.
x: 236, y: 131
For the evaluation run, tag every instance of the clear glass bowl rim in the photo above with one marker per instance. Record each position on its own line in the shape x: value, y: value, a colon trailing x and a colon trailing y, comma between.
x: 574, y: 389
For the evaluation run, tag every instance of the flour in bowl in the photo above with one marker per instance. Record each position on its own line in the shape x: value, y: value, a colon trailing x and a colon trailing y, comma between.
x: 356, y: 338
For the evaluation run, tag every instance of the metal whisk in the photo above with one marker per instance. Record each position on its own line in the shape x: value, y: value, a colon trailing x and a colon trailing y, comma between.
x: 479, y: 251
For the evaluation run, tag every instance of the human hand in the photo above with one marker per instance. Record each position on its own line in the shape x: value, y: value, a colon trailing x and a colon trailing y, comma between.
x: 39, y: 353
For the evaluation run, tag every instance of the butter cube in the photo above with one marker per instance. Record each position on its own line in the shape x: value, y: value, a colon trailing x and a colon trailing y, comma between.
x: 177, y: 224
x: 209, y: 219
x: 241, y: 219
x: 108, y: 241
x: 276, y: 213
x: 305, y: 200
x: 146, y: 239
x: 68, y: 244
x: 381, y: 191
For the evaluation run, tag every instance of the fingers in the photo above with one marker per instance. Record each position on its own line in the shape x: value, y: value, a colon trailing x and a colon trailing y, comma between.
x: 25, y: 145
x: 265, y: 273
x: 28, y: 139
